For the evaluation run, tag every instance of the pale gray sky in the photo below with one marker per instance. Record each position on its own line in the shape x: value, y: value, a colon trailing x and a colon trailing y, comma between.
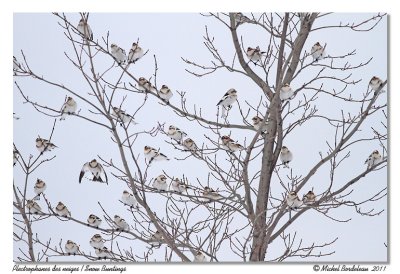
x: 169, y: 37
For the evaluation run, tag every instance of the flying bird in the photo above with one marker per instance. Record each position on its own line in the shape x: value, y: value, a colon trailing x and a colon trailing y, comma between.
x: 154, y: 154
x: 39, y: 188
x: 286, y: 92
x: 33, y: 207
x: 293, y: 201
x: 71, y: 248
x: 44, y: 145
x: 309, y: 198
x: 121, y: 223
x: 240, y: 18
x: 231, y: 145
x: 227, y: 100
x: 165, y: 93
x: 97, y: 171
x: 135, y: 53
x: 257, y: 124
x: 199, y: 257
x: 160, y: 183
x: 84, y: 29
x: 375, y: 83
x: 97, y: 241
x: 62, y: 210
x: 178, y: 186
x: 122, y: 116
x: 286, y: 156
x: 68, y: 108
x: 119, y: 54
x: 317, y: 52
x: 102, y: 253
x: 93, y: 220
x: 254, y: 54
x: 176, y: 134
x: 210, y: 194
x: 373, y: 159
x: 128, y: 199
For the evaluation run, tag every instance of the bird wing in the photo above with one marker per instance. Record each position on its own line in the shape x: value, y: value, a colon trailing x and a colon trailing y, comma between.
x: 84, y: 169
x: 223, y: 98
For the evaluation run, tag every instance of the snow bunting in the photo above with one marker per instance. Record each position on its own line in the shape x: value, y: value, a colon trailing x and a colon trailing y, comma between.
x: 128, y: 199
x: 84, y: 29
x: 373, y: 159
x: 293, y: 200
x: 240, y: 18
x: 144, y: 85
x: 309, y: 198
x: 227, y: 100
x: 254, y: 54
x: 286, y: 156
x: 68, y: 108
x: 44, y: 145
x: 103, y: 253
x: 210, y: 194
x: 62, y: 210
x: 190, y: 144
x: 286, y: 92
x: 71, y: 248
x: 156, y: 239
x: 97, y: 171
x: 121, y: 223
x: 39, y: 188
x: 165, y: 93
x: 231, y: 145
x: 122, y: 116
x: 94, y: 221
x: 135, y: 53
x: 176, y: 134
x: 317, y: 52
x: 160, y: 183
x: 375, y: 83
x: 15, y: 157
x: 118, y: 54
x: 257, y: 124
x: 97, y: 241
x: 153, y: 154
x: 33, y: 207
x: 199, y: 257
x: 178, y: 186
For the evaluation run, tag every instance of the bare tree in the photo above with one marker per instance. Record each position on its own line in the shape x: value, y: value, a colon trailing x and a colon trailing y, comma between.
x: 257, y: 199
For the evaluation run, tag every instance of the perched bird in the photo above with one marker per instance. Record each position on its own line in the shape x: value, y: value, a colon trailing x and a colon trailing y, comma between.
x: 84, y: 29
x: 160, y: 183
x: 286, y: 92
x: 97, y: 241
x: 103, y: 253
x: 375, y: 83
x: 71, y: 248
x: 97, y: 171
x: 68, y: 108
x: 199, y: 257
x: 293, y: 200
x: 33, y: 207
x: 122, y: 116
x: 257, y: 124
x: 15, y: 116
x: 211, y: 194
x: 373, y: 159
x: 16, y: 65
x: 44, y: 145
x: 128, y: 199
x: 62, y: 210
x: 286, y: 156
x: 135, y: 53
x: 178, y: 186
x: 240, y: 18
x: 39, y: 188
x: 15, y: 157
x: 190, y: 145
x: 121, y: 223
x: 317, y: 52
x: 176, y: 134
x: 254, y: 54
x: 165, y: 93
x: 118, y: 54
x: 94, y: 221
x: 309, y: 198
x: 230, y: 144
x: 156, y: 239
x: 227, y: 100
x: 153, y: 154
x: 145, y: 85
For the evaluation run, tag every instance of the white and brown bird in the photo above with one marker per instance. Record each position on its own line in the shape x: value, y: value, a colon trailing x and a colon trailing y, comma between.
x: 286, y: 92
x: 84, y: 29
x: 71, y: 248
x: 293, y: 201
x: 227, y: 100
x: 317, y: 52
x: 128, y: 199
x: 153, y: 154
x: 119, y: 54
x: 94, y: 221
x: 240, y: 18
x: 39, y: 188
x: 286, y: 156
x: 231, y: 145
x: 258, y: 123
x: 254, y: 54
x: 97, y: 171
x: 190, y: 145
x: 44, y: 145
x: 103, y: 253
x: 156, y: 239
x: 176, y: 134
x: 375, y: 83
x: 97, y: 241
x: 15, y: 156
x: 120, y: 223
x: 122, y: 117
x: 199, y: 257
x: 165, y: 93
x: 160, y: 183
x: 62, y: 210
x: 373, y: 159
x: 178, y: 186
x: 210, y: 194
x: 309, y: 198
x: 145, y: 85
x: 135, y: 53
x: 68, y: 108
x: 33, y: 207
